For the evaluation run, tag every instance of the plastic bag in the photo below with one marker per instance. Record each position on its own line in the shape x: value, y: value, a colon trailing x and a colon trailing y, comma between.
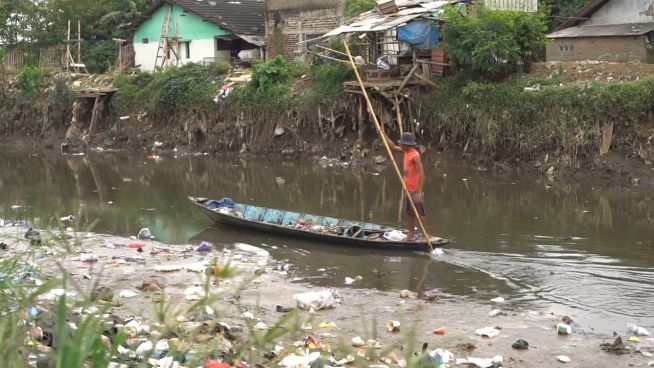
x: 316, y: 299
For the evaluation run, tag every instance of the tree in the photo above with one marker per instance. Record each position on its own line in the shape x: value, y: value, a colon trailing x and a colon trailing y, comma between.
x: 492, y: 44
x: 561, y: 10
x: 352, y: 8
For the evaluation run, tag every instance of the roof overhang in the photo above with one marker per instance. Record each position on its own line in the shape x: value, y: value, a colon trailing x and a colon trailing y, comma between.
x: 373, y: 21
x: 609, y: 30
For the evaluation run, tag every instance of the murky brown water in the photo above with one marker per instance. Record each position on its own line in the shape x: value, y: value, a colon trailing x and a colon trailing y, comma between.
x: 574, y: 248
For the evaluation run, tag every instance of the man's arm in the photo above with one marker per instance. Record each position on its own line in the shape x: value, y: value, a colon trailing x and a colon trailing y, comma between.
x: 391, y: 144
x: 418, y: 161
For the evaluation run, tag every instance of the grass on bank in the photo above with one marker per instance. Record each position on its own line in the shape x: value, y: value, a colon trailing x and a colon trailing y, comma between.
x: 504, y: 119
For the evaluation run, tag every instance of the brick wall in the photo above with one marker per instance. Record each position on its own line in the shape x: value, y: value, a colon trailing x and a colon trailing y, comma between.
x: 286, y: 27
x: 615, y: 49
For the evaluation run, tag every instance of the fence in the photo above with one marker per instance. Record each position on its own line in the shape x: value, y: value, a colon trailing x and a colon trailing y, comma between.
x: 55, y: 57
x: 515, y: 5
x: 50, y: 57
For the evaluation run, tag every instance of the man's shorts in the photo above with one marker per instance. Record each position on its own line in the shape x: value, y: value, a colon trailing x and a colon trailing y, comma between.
x: 418, y: 203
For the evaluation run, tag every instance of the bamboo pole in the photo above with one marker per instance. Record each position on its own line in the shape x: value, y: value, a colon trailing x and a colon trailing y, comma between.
x: 388, y: 149
x: 79, y: 42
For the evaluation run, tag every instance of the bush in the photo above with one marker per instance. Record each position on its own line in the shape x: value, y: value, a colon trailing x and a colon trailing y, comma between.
x: 219, y: 68
x: 100, y: 56
x: 29, y: 79
x: 492, y: 44
x: 327, y: 82
x: 271, y: 74
x: 175, y: 90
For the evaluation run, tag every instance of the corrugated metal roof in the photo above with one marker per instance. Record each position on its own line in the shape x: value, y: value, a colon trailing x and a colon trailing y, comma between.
x: 246, y: 17
x: 515, y: 5
x: 372, y: 21
x: 610, y: 30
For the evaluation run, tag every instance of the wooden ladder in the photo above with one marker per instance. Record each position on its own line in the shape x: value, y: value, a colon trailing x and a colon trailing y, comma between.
x: 163, y: 48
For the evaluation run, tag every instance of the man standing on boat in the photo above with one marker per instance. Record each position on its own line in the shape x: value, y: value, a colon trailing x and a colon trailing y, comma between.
x: 414, y: 177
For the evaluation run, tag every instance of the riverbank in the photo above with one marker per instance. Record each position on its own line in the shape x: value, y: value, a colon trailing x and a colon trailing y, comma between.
x: 561, y: 119
x: 164, y: 286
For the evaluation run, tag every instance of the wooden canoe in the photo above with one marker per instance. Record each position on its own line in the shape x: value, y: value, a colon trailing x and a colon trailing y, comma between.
x: 333, y: 231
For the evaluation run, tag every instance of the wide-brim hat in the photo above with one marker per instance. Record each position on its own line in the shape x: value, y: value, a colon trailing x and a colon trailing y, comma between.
x: 408, y: 139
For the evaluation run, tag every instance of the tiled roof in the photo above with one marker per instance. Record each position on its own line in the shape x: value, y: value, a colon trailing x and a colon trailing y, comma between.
x: 244, y: 17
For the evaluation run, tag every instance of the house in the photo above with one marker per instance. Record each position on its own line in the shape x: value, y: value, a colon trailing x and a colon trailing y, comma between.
x: 606, y: 30
x: 290, y: 22
x: 174, y: 32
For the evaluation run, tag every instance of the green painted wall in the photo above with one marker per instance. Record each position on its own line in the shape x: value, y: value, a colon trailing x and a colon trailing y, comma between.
x: 190, y: 27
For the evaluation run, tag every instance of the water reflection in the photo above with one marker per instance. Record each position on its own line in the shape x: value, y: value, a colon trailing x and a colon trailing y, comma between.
x: 573, y: 244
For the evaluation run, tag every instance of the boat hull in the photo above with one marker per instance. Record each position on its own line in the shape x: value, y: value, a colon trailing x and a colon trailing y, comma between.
x: 277, y: 229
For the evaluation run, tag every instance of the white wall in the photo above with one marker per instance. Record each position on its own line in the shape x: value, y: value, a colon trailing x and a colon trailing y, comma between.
x: 623, y: 11
x: 147, y: 53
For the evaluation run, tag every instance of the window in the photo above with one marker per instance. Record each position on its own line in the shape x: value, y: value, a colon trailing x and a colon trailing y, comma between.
x: 145, y: 40
x: 187, y: 46
x: 222, y: 45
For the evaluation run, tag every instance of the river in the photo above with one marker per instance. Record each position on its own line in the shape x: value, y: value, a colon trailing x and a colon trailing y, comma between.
x: 575, y: 248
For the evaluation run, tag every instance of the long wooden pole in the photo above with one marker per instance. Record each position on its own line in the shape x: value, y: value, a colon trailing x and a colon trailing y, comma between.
x: 388, y: 148
x: 79, y: 42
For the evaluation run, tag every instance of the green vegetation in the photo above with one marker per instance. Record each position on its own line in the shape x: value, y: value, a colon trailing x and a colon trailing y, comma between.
x: 352, y: 8
x: 100, y: 56
x: 493, y: 44
x: 169, y: 94
x: 504, y: 120
x: 29, y: 79
x: 218, y: 68
x: 327, y: 83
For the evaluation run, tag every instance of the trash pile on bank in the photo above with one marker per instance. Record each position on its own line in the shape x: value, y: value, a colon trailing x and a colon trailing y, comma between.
x: 203, y: 337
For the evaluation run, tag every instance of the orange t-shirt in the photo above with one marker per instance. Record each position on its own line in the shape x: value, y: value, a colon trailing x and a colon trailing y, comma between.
x: 411, y: 173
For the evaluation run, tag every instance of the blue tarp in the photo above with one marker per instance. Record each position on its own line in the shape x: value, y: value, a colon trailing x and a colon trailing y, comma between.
x: 419, y: 33
x: 225, y: 202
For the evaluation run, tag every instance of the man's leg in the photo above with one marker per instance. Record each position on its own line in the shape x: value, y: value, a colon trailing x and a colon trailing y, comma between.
x: 411, y: 224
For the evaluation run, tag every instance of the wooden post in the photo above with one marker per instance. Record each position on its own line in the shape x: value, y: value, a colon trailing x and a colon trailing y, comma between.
x: 68, y: 48
x: 388, y: 149
x: 94, y: 117
x: 79, y: 42
x: 398, y: 108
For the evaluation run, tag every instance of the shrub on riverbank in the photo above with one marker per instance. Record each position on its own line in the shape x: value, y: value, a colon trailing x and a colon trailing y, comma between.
x: 505, y: 120
x: 174, y: 92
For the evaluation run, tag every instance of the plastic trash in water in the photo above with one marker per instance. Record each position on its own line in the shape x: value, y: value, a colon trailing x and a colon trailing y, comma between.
x: 349, y: 281
x: 563, y: 329
x: 498, y: 300
x: 393, y: 326
x: 247, y: 316
x: 442, y: 356
x: 495, y: 313
x: 637, y: 330
x: 520, y: 345
x: 145, y: 234
x: 563, y: 358
x: 357, y: 342
x: 635, y: 339
x: 489, y: 332
x: 316, y: 300
x: 481, y: 362
x: 88, y: 257
x: 440, y: 331
x: 204, y: 247
x: 127, y: 294
x: 247, y: 248
x: 69, y: 218
x: 297, y: 361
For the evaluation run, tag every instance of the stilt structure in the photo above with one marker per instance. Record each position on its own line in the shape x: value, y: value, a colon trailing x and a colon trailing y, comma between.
x: 167, y: 44
x: 72, y: 64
